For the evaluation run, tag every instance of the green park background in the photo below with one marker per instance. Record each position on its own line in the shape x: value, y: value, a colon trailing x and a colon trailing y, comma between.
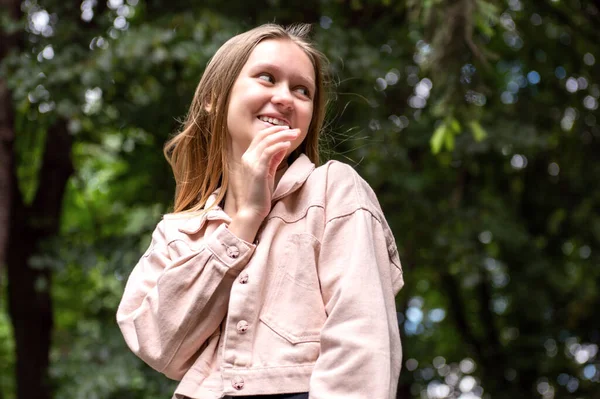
x: 475, y: 121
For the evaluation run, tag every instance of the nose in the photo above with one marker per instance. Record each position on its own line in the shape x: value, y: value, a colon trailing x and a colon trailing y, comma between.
x: 283, y: 97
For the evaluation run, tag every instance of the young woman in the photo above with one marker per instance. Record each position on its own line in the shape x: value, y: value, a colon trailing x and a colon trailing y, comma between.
x: 272, y: 276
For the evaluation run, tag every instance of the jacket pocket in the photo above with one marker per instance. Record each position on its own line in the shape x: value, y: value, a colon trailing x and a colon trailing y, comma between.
x: 294, y: 308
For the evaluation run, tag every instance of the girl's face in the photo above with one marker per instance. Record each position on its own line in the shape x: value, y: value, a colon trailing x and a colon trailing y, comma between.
x: 275, y: 86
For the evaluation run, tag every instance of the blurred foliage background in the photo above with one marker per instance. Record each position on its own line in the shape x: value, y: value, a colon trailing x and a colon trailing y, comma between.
x: 475, y: 121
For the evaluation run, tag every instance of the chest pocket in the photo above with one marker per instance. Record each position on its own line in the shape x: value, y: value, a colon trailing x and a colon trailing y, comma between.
x: 294, y: 309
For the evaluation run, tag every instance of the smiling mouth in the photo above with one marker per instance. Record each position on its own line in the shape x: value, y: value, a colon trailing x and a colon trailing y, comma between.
x: 273, y: 121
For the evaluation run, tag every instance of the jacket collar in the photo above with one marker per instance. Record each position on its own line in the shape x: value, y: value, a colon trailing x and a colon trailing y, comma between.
x: 195, y: 223
x: 292, y: 179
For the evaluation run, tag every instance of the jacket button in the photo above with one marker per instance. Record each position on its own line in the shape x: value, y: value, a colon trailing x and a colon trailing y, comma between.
x: 237, y: 382
x: 244, y: 278
x: 242, y: 326
x: 233, y: 252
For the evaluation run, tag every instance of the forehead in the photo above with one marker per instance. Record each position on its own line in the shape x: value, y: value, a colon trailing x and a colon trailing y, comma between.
x: 283, y: 54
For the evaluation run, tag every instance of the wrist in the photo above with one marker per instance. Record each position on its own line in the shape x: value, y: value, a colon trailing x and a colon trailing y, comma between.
x: 245, y: 224
x: 248, y: 216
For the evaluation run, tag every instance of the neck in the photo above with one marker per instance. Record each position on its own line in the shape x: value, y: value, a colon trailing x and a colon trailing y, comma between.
x: 231, y: 199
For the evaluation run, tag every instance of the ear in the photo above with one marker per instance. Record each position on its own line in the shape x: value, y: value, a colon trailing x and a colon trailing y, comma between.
x: 207, y: 103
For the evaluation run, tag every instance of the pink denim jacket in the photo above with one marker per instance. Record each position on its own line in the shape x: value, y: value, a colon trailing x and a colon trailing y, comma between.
x: 309, y: 307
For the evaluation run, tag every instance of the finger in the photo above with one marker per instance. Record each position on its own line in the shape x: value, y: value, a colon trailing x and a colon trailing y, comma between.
x: 273, y: 155
x: 277, y: 158
x: 267, y: 155
x: 286, y: 135
x: 261, y: 135
x: 265, y: 162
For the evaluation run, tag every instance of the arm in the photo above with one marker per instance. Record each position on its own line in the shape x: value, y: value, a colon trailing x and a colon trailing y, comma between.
x: 170, y: 307
x: 360, y: 274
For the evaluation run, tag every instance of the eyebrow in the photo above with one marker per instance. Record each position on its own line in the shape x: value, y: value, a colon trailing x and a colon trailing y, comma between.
x: 268, y: 65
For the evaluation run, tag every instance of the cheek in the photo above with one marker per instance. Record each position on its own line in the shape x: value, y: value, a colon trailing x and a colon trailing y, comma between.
x: 244, y: 97
x: 296, y: 143
x: 307, y: 115
x: 251, y: 95
x: 241, y: 106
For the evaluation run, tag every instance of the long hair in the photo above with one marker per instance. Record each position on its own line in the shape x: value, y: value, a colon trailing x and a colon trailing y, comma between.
x: 198, y: 152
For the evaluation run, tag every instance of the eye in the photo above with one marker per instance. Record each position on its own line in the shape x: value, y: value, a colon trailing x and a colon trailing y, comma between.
x: 267, y: 77
x: 304, y: 91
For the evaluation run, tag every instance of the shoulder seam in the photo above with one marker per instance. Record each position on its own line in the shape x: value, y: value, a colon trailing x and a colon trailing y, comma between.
x: 350, y: 213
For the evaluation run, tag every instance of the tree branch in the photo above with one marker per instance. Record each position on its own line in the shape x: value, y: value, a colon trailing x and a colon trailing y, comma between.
x: 55, y: 171
x: 456, y: 309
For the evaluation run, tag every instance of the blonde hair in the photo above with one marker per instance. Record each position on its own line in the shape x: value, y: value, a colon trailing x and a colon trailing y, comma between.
x: 198, y: 153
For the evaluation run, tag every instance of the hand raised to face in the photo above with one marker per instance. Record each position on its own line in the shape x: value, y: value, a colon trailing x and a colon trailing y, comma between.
x: 254, y: 177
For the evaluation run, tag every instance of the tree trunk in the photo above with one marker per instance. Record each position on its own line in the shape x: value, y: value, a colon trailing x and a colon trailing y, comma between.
x: 7, y: 136
x: 23, y: 228
x: 30, y: 301
x: 7, y: 133
x: 30, y: 308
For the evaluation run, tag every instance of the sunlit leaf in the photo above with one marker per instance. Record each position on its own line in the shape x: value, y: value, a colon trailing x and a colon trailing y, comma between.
x: 438, y: 138
x: 478, y: 133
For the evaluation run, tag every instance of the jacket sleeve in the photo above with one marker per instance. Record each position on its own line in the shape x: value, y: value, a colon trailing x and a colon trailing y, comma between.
x: 360, y: 274
x: 170, y: 307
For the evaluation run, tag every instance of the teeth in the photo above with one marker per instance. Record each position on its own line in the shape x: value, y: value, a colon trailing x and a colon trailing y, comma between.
x: 273, y: 121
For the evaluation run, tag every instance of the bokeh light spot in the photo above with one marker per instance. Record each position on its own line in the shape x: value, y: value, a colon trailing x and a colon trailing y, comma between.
x: 467, y: 365
x: 326, y: 22
x: 412, y: 364
x: 518, y: 161
x: 589, y: 59
x: 553, y: 169
x: 589, y: 371
x: 533, y: 77
x: 571, y: 85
